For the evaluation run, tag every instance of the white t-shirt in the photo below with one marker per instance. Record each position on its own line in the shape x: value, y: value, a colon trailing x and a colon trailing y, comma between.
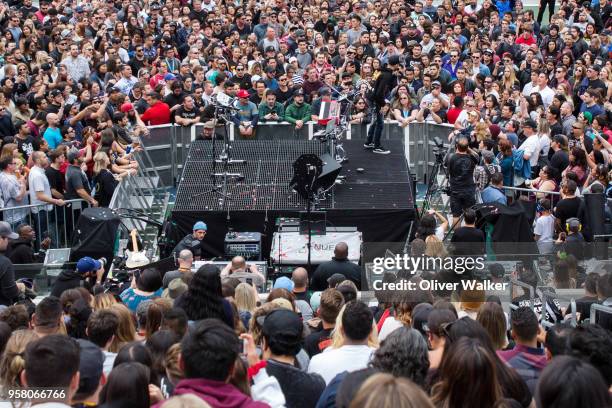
x: 389, y: 326
x: 545, y: 228
x: 332, y: 362
x: 37, y: 180
x: 531, y: 146
x: 547, y: 96
x: 544, y: 144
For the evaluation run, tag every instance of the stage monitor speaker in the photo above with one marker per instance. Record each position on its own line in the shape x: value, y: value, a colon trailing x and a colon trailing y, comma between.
x: 329, y: 173
x: 95, y: 234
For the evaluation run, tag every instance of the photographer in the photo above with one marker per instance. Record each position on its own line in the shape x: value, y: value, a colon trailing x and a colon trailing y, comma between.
x: 86, y: 269
x: 432, y: 112
x: 461, y: 165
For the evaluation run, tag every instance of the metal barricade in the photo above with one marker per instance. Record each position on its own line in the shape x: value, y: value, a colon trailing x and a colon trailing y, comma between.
x: 595, y: 307
x: 54, y: 222
x: 159, y: 146
x: 533, y: 194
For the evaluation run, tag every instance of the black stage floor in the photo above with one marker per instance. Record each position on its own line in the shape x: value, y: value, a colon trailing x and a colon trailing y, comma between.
x: 378, y: 201
x: 384, y: 184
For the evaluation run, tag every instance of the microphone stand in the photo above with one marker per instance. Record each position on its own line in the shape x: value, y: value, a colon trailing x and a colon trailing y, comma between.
x: 224, y: 158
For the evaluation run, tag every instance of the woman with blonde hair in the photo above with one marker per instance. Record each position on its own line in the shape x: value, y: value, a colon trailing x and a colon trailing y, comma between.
x: 482, y: 132
x: 105, y: 180
x: 126, y: 332
x: 492, y: 317
x: 434, y: 247
x: 103, y: 301
x: 12, y: 362
x: 246, y: 302
x: 606, y: 75
x: 509, y: 79
x: 383, y: 390
x: 9, y: 150
x: 174, y: 373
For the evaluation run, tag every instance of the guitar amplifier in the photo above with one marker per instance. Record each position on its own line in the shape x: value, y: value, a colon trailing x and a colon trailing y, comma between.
x: 245, y: 244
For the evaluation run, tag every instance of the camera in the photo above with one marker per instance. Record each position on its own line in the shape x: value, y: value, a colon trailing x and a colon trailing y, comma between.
x: 439, y: 150
x: 46, y: 66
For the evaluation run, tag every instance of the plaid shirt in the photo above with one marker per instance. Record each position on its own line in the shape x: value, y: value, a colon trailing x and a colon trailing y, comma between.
x: 481, y: 178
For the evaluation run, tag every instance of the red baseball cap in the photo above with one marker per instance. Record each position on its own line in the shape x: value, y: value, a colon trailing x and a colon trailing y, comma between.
x: 126, y: 107
x: 242, y: 94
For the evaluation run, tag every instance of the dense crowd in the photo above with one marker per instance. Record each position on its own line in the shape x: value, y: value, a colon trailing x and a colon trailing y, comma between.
x: 80, y: 83
x: 210, y: 339
x: 530, y: 104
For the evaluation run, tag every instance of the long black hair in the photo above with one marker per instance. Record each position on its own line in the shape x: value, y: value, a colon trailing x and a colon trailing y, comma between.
x: 204, y: 298
x: 128, y: 383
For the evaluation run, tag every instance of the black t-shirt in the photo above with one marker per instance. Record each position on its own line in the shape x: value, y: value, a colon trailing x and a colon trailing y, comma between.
x: 316, y: 342
x: 75, y: 180
x: 583, y: 306
x: 325, y: 270
x: 105, y: 187
x: 137, y: 64
x: 461, y: 170
x: 469, y: 241
x: 301, y: 389
x: 283, y: 96
x: 560, y: 161
x: 173, y: 99
x: 56, y: 179
x: 27, y: 146
x: 186, y: 114
x: 244, y: 82
x: 198, y: 15
x: 567, y: 208
x: 8, y: 288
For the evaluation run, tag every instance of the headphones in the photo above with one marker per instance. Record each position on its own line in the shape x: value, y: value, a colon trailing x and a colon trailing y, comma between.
x: 567, y: 224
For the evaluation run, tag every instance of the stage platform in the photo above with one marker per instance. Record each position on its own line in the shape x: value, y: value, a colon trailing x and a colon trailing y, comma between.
x: 379, y: 200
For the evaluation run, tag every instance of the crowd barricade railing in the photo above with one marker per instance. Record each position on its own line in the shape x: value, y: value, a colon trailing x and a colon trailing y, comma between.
x: 160, y: 154
x: 56, y: 223
x: 595, y: 308
x: 533, y: 194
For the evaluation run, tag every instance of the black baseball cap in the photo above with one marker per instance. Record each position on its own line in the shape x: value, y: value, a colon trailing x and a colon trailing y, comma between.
x: 420, y: 314
x: 530, y: 123
x: 91, y: 365
x: 283, y: 324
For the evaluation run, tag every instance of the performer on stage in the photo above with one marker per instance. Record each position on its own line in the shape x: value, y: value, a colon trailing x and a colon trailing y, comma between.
x: 385, y: 81
x: 193, y: 241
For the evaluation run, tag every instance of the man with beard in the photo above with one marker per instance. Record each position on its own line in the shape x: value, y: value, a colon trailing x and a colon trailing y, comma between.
x: 26, y: 144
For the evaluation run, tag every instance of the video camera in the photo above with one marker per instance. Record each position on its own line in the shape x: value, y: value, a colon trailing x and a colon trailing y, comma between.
x: 439, y: 150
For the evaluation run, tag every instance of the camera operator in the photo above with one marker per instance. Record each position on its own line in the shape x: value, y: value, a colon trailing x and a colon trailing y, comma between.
x: 87, y: 268
x: 461, y: 165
